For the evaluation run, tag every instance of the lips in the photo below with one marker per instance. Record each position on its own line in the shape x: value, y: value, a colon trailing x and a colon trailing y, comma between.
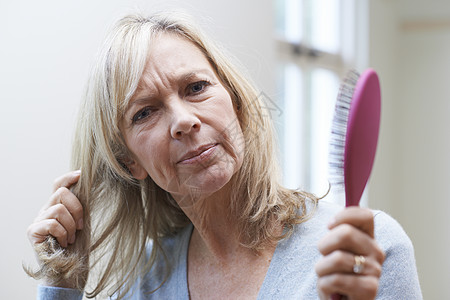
x: 200, y: 154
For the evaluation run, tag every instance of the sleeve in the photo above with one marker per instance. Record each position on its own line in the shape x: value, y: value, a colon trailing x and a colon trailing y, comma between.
x: 58, y: 293
x: 399, y: 279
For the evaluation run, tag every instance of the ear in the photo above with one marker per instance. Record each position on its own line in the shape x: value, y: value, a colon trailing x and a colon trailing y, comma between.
x: 137, y: 171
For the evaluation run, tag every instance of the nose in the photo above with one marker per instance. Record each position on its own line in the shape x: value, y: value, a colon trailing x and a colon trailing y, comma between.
x: 184, y: 121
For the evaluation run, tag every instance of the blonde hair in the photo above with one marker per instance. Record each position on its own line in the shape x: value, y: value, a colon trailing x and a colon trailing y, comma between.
x: 123, y: 214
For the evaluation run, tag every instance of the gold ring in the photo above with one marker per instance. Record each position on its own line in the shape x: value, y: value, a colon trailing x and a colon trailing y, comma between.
x: 358, y: 267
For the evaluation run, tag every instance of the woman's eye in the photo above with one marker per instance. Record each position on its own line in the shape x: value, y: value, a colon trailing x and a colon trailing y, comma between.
x: 197, y: 87
x: 142, y: 114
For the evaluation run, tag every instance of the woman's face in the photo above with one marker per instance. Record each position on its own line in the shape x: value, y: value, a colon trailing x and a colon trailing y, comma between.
x: 180, y: 126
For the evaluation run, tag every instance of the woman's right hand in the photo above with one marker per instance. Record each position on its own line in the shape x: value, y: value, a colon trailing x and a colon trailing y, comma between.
x: 61, y: 216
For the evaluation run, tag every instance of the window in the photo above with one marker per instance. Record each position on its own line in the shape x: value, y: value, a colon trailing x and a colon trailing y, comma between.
x: 316, y: 42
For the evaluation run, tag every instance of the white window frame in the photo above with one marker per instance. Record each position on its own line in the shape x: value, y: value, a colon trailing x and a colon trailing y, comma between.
x: 354, y: 29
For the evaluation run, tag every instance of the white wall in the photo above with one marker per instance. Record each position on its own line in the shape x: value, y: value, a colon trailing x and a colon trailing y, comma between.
x: 410, y: 46
x: 46, y: 50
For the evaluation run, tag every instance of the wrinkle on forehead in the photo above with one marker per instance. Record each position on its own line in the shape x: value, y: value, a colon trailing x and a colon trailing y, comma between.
x: 162, y: 72
x: 147, y: 88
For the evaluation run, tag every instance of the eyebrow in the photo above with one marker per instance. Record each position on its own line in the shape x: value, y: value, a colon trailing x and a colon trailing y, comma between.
x: 193, y: 74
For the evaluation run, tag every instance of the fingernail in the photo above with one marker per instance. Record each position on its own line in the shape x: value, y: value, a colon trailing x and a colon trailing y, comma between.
x: 72, y: 239
x: 77, y: 172
x: 80, y: 224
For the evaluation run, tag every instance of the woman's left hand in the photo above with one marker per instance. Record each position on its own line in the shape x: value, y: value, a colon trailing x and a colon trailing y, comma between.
x: 352, y: 259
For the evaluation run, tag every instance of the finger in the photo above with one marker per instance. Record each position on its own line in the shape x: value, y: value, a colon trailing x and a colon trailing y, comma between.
x: 60, y: 213
x: 70, y: 201
x: 66, y: 180
x: 358, y: 217
x: 354, y: 287
x: 343, y: 262
x: 39, y: 231
x: 350, y: 239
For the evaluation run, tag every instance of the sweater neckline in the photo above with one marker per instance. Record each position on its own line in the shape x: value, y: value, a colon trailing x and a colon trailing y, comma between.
x: 182, y: 278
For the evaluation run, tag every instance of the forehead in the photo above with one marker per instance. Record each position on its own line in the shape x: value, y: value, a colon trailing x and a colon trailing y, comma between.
x: 171, y: 54
x: 170, y: 59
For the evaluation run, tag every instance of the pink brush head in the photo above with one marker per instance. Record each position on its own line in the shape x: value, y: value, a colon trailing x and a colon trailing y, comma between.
x: 361, y: 136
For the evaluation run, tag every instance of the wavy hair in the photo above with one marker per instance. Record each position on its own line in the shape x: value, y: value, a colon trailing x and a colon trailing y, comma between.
x: 123, y: 214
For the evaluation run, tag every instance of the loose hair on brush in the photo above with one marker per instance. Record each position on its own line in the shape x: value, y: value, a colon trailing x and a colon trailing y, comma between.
x: 123, y: 214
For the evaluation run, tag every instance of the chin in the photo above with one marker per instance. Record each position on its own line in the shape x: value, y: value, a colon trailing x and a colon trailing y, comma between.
x: 213, y: 180
x: 202, y: 183
x: 207, y: 183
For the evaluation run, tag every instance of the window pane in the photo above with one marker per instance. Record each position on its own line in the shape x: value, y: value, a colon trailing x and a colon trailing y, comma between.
x: 324, y: 88
x: 280, y: 17
x: 325, y: 29
x: 289, y: 19
x: 292, y: 140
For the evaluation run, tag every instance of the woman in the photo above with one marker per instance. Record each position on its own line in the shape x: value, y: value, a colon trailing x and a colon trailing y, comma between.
x: 179, y: 197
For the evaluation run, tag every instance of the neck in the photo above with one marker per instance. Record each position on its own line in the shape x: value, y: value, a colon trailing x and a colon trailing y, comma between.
x: 216, y: 235
x: 215, y: 229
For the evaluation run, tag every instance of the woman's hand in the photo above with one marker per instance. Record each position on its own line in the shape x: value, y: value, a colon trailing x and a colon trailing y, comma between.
x: 61, y: 216
x: 351, y: 262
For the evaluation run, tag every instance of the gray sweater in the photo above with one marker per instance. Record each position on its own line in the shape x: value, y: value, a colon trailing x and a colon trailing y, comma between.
x: 291, y: 272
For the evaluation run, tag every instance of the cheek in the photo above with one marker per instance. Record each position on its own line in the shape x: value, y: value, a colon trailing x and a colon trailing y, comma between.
x: 239, y: 145
x: 229, y: 127
x: 151, y: 153
x: 233, y: 142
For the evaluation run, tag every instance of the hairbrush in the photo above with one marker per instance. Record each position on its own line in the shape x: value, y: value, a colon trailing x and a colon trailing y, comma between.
x: 354, y: 135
